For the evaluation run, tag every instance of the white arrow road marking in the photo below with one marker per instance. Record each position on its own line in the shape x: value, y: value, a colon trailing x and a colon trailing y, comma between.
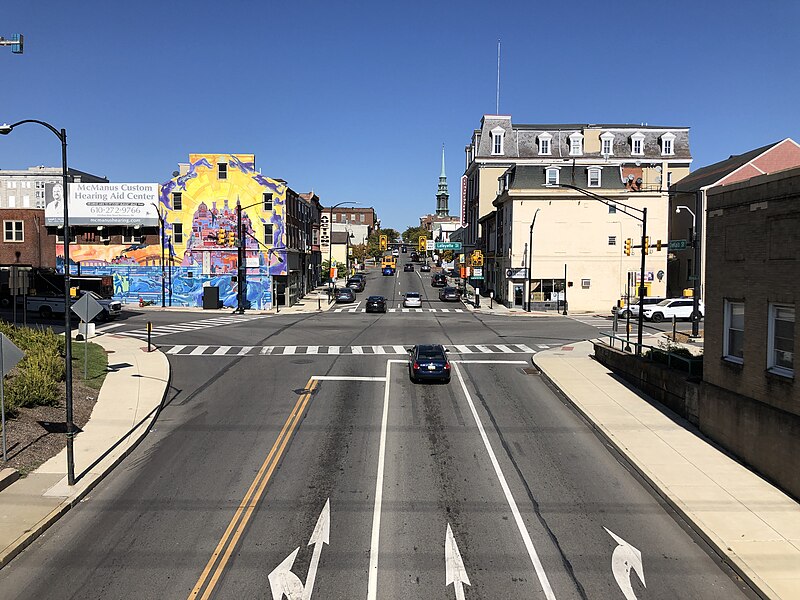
x: 625, y: 558
x: 283, y: 582
x: 455, y: 572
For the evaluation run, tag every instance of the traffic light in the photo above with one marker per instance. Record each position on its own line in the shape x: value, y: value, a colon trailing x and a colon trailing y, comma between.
x: 231, y: 238
x: 423, y: 243
x: 658, y: 245
x: 628, y: 243
x: 646, y: 246
x: 221, y: 237
x: 384, y: 242
x: 477, y: 258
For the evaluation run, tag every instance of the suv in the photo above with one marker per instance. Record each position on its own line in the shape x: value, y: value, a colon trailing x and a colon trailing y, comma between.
x: 680, y: 308
x: 439, y: 280
x: 634, y: 307
x: 356, y: 284
x: 408, y: 267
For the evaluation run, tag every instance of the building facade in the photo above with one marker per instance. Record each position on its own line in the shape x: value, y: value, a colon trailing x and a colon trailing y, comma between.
x: 514, y: 174
x: 355, y: 216
x: 751, y: 399
x: 25, y: 239
x: 35, y: 187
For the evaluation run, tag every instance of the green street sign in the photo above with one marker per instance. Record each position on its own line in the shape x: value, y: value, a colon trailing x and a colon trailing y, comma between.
x: 448, y: 246
x: 677, y: 244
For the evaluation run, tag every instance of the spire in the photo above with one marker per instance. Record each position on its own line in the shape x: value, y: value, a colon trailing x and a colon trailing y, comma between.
x: 442, y: 195
x: 443, y: 175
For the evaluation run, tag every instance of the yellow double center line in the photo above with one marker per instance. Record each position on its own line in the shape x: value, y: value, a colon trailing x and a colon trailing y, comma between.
x: 222, y: 553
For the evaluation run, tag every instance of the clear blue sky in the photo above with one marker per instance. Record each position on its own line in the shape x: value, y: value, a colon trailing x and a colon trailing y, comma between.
x: 354, y: 99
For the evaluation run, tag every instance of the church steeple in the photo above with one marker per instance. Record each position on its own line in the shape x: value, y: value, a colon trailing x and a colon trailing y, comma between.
x: 442, y: 195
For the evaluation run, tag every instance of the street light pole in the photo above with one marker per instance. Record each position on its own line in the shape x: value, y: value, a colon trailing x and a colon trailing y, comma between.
x: 696, y: 269
x: 330, y: 247
x: 62, y: 136
x: 530, y: 258
x: 240, y: 266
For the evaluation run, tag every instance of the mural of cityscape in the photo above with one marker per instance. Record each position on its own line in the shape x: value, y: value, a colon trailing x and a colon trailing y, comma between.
x: 198, y: 211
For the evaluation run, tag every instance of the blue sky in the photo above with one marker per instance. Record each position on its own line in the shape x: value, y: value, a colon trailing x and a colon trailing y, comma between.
x: 355, y: 99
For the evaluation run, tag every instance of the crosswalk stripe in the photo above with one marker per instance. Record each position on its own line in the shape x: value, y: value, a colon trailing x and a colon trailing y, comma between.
x: 392, y: 309
x: 245, y: 350
x: 356, y: 350
x: 198, y: 350
x: 175, y: 349
x: 484, y: 349
x: 505, y: 349
x: 333, y: 349
x: 289, y: 349
x: 266, y: 350
x: 221, y: 350
x: 312, y: 350
x: 445, y: 310
x: 378, y: 350
x: 461, y: 310
x: 542, y: 346
x: 399, y: 349
x: 525, y: 348
x: 464, y: 350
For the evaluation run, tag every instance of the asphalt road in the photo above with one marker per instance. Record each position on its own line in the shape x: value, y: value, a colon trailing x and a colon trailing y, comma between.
x: 307, y: 474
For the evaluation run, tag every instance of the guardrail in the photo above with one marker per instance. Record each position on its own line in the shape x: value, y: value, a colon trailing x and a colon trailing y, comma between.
x: 657, y: 354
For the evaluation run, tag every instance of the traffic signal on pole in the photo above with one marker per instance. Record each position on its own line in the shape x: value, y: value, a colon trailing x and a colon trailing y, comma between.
x: 658, y: 245
x: 646, y: 246
x: 384, y: 242
x: 628, y: 243
x: 423, y: 243
x: 221, y: 237
x: 231, y: 238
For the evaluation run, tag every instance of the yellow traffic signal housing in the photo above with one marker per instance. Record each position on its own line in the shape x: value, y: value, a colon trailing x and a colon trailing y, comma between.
x: 658, y: 245
x: 628, y: 243
x: 646, y: 247
x: 221, y: 237
x: 231, y: 238
x: 477, y: 258
x: 423, y: 243
x: 384, y: 244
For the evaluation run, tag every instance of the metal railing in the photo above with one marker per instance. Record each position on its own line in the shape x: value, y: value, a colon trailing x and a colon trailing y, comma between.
x: 657, y: 354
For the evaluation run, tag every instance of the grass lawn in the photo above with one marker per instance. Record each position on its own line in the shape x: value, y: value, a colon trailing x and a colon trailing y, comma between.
x: 97, y: 366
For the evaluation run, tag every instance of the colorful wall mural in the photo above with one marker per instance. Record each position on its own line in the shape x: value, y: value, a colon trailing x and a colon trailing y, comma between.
x: 200, y: 236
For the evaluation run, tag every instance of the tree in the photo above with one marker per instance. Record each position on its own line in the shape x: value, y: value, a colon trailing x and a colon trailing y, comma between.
x: 412, y: 234
x: 360, y: 252
x: 374, y: 241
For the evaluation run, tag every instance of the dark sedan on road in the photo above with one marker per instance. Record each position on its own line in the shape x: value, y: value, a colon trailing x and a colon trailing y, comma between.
x: 439, y: 280
x: 345, y: 295
x: 428, y: 363
x: 355, y: 284
x: 408, y: 267
x: 449, y: 294
x: 426, y: 268
x: 376, y: 304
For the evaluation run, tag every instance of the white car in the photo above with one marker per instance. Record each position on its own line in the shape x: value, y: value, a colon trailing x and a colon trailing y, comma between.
x: 680, y: 308
x: 634, y: 306
x: 395, y: 252
x: 412, y: 300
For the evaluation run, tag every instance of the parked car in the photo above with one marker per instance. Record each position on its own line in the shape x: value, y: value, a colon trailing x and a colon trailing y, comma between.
x: 408, y: 267
x: 449, y: 294
x: 634, y: 307
x: 344, y: 295
x: 412, y: 300
x: 376, y: 304
x: 439, y: 280
x: 426, y: 268
x: 428, y: 362
x: 387, y: 271
x: 680, y: 308
x: 356, y: 284
x: 360, y: 276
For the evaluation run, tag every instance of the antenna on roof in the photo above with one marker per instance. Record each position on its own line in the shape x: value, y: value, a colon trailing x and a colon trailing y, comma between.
x: 497, y: 103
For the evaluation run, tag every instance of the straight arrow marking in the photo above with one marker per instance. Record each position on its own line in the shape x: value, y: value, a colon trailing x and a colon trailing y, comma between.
x: 455, y: 572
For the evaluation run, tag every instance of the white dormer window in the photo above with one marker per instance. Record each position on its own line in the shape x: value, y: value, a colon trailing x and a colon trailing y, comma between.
x: 576, y: 144
x: 498, y: 134
x: 594, y: 177
x: 552, y: 175
x: 637, y: 144
x: 607, y: 143
x: 544, y: 143
x: 668, y: 144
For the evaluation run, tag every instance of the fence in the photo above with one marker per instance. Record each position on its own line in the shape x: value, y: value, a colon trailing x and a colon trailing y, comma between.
x: 673, y: 359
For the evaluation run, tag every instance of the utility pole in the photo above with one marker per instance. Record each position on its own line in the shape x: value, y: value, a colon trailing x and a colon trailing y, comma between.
x: 641, y: 281
x: 240, y: 260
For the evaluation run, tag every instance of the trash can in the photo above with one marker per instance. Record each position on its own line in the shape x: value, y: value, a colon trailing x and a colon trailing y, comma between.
x: 210, y: 297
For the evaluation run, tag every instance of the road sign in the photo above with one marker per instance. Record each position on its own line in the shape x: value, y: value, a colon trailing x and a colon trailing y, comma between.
x: 677, y: 244
x: 448, y: 246
x: 87, y: 308
x: 10, y: 355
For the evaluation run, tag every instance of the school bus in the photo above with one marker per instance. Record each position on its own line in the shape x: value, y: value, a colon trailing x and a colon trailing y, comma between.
x: 389, y: 261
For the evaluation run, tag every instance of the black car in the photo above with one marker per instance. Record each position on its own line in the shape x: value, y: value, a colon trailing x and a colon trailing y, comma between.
x: 429, y: 363
x: 376, y: 304
x: 449, y: 294
x: 355, y: 284
x: 439, y: 280
x: 345, y: 295
x: 408, y: 267
x: 414, y: 257
x: 426, y: 268
x: 360, y: 276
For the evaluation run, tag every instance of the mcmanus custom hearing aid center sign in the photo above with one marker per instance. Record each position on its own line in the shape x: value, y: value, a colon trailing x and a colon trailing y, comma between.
x: 125, y: 204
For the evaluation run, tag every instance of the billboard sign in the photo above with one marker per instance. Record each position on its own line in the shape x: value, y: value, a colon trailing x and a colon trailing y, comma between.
x: 324, y: 232
x: 463, y: 200
x: 121, y: 204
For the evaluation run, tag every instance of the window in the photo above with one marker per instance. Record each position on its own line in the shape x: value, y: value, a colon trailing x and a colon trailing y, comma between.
x: 13, y: 231
x: 268, y: 201
x: 11, y: 185
x: 552, y: 176
x: 361, y: 217
x: 612, y: 240
x: 26, y: 201
x: 498, y: 134
x: 177, y: 200
x: 352, y: 217
x: 637, y: 144
x: 12, y: 202
x: 607, y: 145
x: 177, y: 233
x: 733, y: 343
x: 585, y: 283
x: 612, y: 209
x: 594, y: 177
x: 669, y: 178
x: 544, y: 143
x: 222, y: 171
x: 576, y: 144
x: 780, y: 350
x: 667, y: 147
x: 129, y: 237
x: 268, y: 234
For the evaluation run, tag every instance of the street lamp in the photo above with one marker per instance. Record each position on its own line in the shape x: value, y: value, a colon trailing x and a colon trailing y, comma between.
x: 530, y: 258
x: 5, y: 129
x: 330, y: 247
x: 161, y: 231
x: 625, y: 209
x: 696, y: 274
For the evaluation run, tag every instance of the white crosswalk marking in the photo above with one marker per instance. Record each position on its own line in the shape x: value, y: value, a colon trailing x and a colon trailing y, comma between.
x: 198, y: 350
x: 221, y: 350
x: 505, y: 349
x: 356, y: 349
x: 312, y: 350
x: 464, y: 350
x: 245, y: 350
x: 173, y: 328
x: 483, y: 349
x: 525, y: 348
x: 266, y: 350
x: 378, y: 350
x: 289, y: 349
x: 445, y: 310
x: 175, y: 349
x: 542, y: 346
x: 395, y: 350
x: 399, y: 349
x: 333, y: 349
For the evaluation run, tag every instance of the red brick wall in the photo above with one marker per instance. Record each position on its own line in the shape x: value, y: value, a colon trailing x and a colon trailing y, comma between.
x: 37, y: 249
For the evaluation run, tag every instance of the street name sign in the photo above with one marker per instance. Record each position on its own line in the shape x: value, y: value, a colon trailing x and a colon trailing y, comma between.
x: 677, y: 244
x: 448, y: 246
x: 87, y: 308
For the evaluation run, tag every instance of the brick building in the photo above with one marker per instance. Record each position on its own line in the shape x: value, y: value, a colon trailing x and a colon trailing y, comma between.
x: 751, y: 398
x: 25, y: 240
x: 355, y: 216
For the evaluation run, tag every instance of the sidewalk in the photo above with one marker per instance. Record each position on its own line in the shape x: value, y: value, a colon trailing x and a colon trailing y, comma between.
x: 752, y: 524
x: 126, y: 407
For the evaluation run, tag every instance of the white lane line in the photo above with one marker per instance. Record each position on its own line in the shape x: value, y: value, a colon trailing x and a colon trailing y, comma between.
x: 431, y: 310
x: 333, y: 349
x: 198, y: 350
x: 525, y: 348
x: 505, y: 349
x: 245, y: 350
x: 266, y: 350
x: 445, y: 310
x: 378, y: 350
x: 313, y: 350
x: 463, y: 350
x: 484, y: 349
x: 372, y: 584
x: 526, y: 537
x: 221, y: 350
x: 459, y: 310
x: 490, y: 362
x: 399, y: 349
x: 417, y: 310
x: 357, y: 349
x: 345, y: 378
x: 405, y: 310
x: 289, y: 349
x: 175, y: 349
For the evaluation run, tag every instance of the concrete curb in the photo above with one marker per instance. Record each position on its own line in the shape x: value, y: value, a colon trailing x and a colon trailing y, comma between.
x: 39, y: 528
x: 7, y: 477
x: 730, y: 561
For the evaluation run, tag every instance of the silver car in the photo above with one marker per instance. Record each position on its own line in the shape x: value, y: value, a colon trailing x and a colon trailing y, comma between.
x: 412, y: 300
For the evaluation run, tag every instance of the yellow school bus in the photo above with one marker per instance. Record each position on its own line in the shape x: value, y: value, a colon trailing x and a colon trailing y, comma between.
x: 389, y: 261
